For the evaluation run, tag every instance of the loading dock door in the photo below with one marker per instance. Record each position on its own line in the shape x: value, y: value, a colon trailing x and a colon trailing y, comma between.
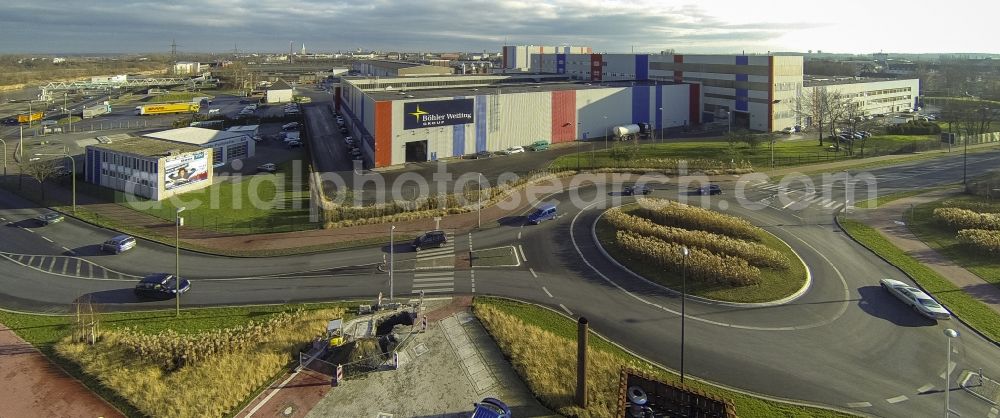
x: 741, y: 120
x: 416, y: 151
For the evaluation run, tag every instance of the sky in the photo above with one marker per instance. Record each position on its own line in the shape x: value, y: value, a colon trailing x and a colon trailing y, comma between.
x: 648, y: 26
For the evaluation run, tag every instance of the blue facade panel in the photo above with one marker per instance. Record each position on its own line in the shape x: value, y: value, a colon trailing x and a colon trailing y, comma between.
x: 640, y: 104
x: 458, y: 138
x: 481, y: 123
x: 742, y: 100
x: 742, y: 60
x: 659, y: 105
x: 560, y: 63
x: 642, y: 67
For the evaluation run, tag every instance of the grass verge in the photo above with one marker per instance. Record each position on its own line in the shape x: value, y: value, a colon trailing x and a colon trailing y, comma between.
x: 494, y: 257
x: 46, y: 331
x: 520, y: 328
x: 966, y: 307
x: 884, y: 199
x: 774, y: 284
x: 944, y: 241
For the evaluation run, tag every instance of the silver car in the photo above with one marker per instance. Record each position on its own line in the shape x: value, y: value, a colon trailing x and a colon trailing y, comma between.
x: 916, y: 298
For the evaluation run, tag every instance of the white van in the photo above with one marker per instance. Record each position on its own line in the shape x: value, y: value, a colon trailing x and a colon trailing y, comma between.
x: 213, y: 111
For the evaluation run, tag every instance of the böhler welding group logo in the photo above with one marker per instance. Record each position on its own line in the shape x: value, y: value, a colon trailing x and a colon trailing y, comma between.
x: 418, y: 113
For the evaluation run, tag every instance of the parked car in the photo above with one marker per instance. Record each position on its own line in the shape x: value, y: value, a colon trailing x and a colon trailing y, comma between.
x: 118, y: 244
x: 542, y: 213
x: 711, y: 189
x: 161, y: 286
x: 634, y: 190
x: 355, y: 152
x: 513, y: 150
x: 63, y: 172
x: 294, y: 144
x: 49, y: 218
x: 482, y: 154
x: 916, y: 298
x: 540, y: 145
x: 349, y: 140
x: 294, y: 126
x: 491, y: 408
x: 430, y: 239
x: 267, y: 168
x: 343, y: 130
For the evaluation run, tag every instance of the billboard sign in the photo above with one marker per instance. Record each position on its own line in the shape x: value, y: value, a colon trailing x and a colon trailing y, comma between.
x: 184, y: 170
x: 437, y: 113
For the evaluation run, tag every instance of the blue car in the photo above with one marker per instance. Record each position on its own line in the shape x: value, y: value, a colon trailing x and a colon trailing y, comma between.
x: 491, y: 408
x: 543, y: 213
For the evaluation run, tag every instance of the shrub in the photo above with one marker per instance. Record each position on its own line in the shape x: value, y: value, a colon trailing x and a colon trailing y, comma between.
x: 956, y: 218
x: 981, y: 239
x: 914, y: 127
x: 702, y: 265
x: 754, y: 253
x: 669, y: 213
x: 171, y: 350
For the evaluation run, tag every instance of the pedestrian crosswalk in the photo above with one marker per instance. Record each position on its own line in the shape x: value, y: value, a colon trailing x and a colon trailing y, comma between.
x: 435, y: 269
x: 67, y: 266
x: 799, y: 199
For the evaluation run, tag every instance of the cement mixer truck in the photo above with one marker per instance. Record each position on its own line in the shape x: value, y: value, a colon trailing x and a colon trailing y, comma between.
x: 633, y: 131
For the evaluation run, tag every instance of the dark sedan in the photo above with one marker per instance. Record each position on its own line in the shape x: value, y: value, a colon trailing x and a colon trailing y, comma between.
x: 711, y: 189
x: 161, y: 286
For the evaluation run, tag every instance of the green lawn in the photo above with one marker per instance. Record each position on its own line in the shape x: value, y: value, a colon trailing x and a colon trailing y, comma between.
x: 884, y: 199
x: 746, y: 406
x: 775, y: 283
x: 492, y: 257
x: 943, y: 240
x: 255, y: 204
x: 787, y: 153
x: 44, y: 331
x: 971, y: 310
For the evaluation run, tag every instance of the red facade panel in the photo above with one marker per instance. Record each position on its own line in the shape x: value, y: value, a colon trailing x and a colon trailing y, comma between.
x: 694, y: 112
x: 563, y: 116
x: 596, y: 67
x: 383, y: 133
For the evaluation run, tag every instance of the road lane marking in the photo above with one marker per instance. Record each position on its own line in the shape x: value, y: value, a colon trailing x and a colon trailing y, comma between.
x: 547, y: 292
x: 859, y: 404
x: 522, y: 252
x: 897, y: 399
x: 518, y: 234
x: 431, y: 284
x: 441, y: 290
x: 46, y: 238
x: 68, y: 250
x: 566, y: 309
x: 434, y: 274
x: 951, y: 368
x: 472, y: 275
x: 532, y: 272
x: 925, y: 388
x: 29, y: 230
x: 789, y: 204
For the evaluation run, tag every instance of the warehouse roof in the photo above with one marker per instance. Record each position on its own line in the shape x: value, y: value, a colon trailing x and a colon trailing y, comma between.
x: 392, y: 64
x: 145, y: 147
x: 194, y: 135
x: 280, y: 85
x: 506, y: 88
x: 810, y: 81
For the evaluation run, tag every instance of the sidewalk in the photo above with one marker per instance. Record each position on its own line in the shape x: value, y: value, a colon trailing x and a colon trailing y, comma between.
x: 34, y: 387
x: 885, y: 218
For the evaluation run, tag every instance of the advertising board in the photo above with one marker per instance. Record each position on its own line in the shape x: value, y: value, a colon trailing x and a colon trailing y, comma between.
x: 185, y: 169
x: 437, y: 113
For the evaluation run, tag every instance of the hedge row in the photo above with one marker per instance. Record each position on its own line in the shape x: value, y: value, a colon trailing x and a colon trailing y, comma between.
x: 957, y: 219
x: 754, y: 253
x: 982, y: 239
x: 702, y: 265
x: 670, y: 213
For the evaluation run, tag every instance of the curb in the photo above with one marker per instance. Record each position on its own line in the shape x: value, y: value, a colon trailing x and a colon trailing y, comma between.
x: 836, y: 219
x: 688, y: 375
x: 805, y: 287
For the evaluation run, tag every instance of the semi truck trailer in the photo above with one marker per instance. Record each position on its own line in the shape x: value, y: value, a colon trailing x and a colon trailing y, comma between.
x: 167, y: 108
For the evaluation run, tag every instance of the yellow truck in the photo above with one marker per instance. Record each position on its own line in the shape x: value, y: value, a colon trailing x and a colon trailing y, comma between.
x: 166, y: 108
x: 30, y: 117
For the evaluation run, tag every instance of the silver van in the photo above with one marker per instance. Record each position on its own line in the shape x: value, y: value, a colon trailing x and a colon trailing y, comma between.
x: 118, y: 244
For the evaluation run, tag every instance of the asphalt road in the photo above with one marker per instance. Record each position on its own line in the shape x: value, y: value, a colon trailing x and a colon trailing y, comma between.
x: 843, y: 343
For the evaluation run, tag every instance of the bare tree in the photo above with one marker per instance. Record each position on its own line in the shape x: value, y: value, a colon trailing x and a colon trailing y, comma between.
x: 821, y: 107
x: 40, y: 170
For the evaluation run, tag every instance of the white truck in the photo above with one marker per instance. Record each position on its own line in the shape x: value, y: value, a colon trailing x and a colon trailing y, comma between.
x: 96, y: 110
x: 635, y: 130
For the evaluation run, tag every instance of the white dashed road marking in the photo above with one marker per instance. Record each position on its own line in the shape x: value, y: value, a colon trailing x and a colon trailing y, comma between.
x: 951, y: 368
x: 566, y: 309
x: 859, y: 404
x: 519, y: 247
x: 925, y: 388
x: 897, y: 399
x: 532, y: 272
x: 547, y: 292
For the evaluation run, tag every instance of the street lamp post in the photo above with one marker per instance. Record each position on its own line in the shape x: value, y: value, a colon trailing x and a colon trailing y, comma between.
x: 729, y: 118
x: 4, y: 159
x: 392, y: 253
x: 72, y: 165
x: 178, y: 221
x: 479, y: 207
x: 951, y: 334
x: 683, y: 297
x: 659, y: 115
x: 607, y: 132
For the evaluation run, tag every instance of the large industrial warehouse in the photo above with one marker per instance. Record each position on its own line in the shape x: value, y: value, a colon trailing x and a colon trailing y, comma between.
x: 419, y: 119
